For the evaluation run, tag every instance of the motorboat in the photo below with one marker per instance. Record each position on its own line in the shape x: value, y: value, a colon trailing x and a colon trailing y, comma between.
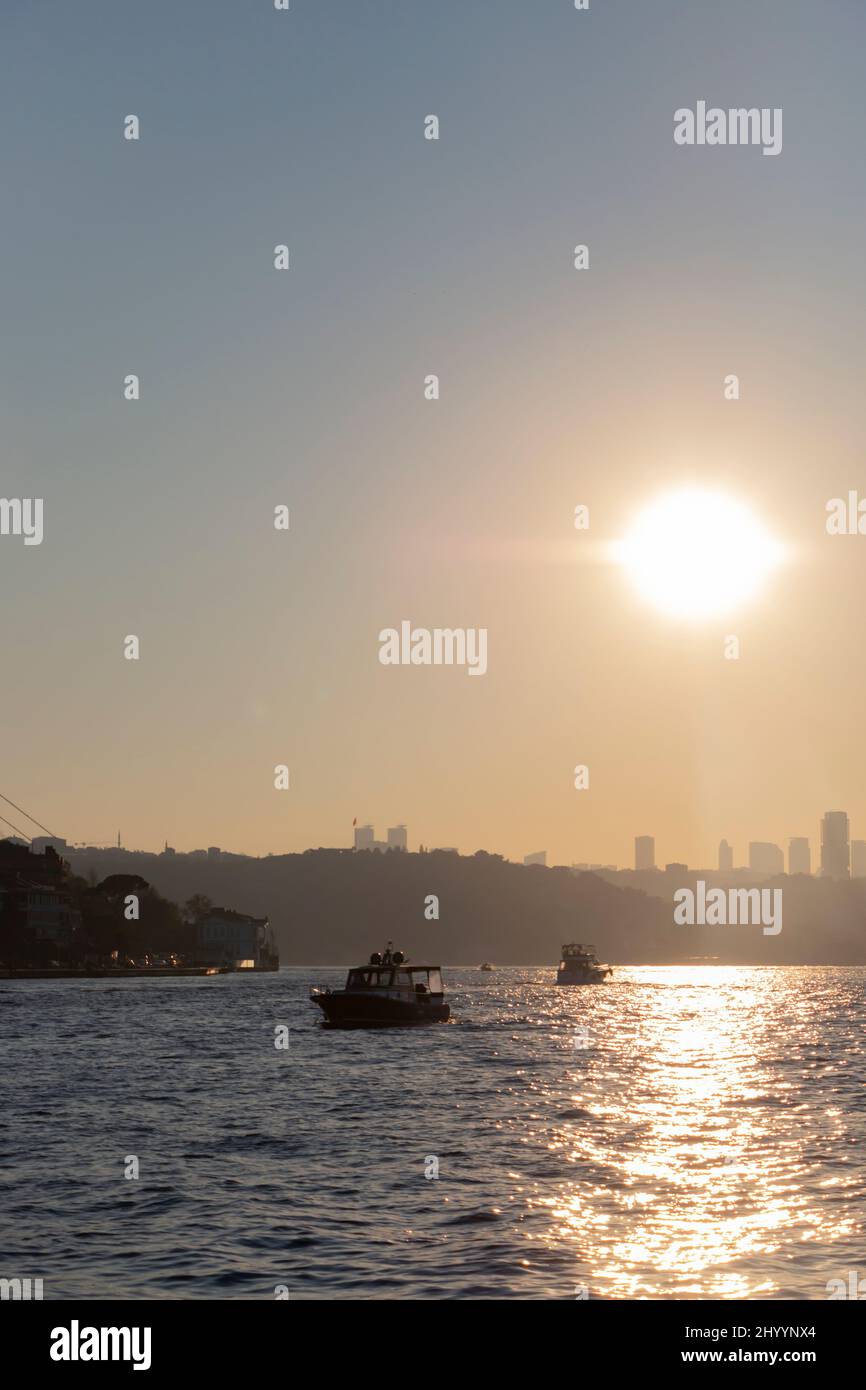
x: 389, y: 991
x: 579, y: 965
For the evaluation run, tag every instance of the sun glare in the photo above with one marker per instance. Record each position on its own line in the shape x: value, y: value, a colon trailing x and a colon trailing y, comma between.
x: 696, y: 554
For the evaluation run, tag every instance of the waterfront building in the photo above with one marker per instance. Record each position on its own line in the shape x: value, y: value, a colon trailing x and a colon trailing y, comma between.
x: 33, y: 897
x: 225, y: 937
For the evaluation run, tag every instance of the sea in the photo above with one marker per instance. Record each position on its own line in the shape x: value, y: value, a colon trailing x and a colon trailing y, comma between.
x: 688, y: 1132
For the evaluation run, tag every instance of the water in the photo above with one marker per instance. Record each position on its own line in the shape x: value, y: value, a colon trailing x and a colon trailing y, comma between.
x: 689, y: 1132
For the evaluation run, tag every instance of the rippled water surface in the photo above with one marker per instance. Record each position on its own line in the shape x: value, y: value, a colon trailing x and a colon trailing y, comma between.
x: 688, y: 1132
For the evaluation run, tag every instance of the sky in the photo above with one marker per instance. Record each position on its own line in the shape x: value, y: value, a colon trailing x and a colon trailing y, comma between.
x: 305, y: 388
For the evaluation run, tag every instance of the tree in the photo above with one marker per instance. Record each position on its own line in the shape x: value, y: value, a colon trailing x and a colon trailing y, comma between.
x: 197, y: 907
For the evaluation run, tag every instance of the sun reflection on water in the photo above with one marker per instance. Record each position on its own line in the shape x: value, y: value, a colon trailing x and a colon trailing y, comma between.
x: 699, y: 1149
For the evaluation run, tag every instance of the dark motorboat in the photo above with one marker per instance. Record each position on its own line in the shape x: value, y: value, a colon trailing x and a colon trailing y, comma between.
x: 580, y: 966
x: 388, y: 992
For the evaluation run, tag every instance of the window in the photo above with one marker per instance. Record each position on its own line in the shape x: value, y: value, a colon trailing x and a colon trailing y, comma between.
x: 370, y: 979
x: 435, y: 982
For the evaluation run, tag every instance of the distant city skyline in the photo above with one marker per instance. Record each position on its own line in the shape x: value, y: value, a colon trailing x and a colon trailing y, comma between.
x: 840, y: 857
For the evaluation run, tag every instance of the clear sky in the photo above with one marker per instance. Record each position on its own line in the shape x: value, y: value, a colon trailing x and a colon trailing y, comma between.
x: 305, y: 387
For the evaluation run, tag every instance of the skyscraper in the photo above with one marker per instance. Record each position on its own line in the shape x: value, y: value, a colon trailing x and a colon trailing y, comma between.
x: 726, y: 857
x: 644, y: 852
x: 858, y: 858
x: 365, y: 837
x: 835, y: 851
x: 398, y: 837
x: 799, y: 855
x: 765, y: 858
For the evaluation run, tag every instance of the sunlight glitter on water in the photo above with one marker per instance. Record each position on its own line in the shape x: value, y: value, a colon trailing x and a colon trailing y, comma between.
x: 688, y: 1132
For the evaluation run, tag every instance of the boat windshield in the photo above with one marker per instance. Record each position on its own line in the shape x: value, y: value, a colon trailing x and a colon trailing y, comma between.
x: 370, y: 979
x: 422, y: 981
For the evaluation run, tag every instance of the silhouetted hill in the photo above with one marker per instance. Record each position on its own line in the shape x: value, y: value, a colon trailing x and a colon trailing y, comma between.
x: 332, y: 907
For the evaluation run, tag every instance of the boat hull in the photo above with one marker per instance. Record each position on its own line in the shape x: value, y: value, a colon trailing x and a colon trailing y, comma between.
x: 343, y: 1010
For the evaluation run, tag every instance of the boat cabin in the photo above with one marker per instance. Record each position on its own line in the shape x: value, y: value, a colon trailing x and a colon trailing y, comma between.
x: 575, y: 951
x: 413, y: 979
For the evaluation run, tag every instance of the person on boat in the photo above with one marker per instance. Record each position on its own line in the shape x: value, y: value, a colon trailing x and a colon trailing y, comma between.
x: 386, y: 958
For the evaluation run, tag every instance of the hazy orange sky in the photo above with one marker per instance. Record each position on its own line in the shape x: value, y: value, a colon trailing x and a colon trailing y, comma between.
x: 602, y: 387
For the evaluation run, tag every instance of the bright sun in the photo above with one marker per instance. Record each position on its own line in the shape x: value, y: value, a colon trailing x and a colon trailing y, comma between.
x: 696, y: 554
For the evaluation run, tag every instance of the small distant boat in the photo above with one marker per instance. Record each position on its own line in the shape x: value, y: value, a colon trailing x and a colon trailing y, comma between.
x: 580, y: 966
x: 485, y: 965
x: 388, y: 992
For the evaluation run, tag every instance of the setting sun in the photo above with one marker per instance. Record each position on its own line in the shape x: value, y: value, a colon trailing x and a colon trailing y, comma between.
x: 696, y: 554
